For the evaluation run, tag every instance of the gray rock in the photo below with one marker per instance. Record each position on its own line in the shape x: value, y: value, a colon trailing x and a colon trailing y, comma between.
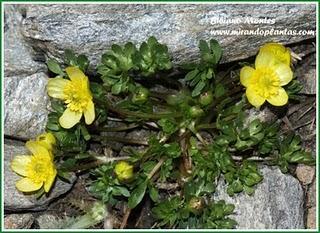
x: 306, y: 74
x: 47, y: 221
x: 25, y: 105
x: 276, y: 204
x: 14, y: 200
x: 18, y: 221
x: 92, y: 29
x: 18, y: 59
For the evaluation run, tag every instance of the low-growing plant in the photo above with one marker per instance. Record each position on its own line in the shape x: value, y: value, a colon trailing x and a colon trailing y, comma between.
x: 199, y: 130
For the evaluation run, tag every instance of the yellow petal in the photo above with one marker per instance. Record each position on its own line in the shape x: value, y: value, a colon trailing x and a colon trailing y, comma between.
x: 264, y: 59
x: 50, y: 179
x: 280, y: 99
x: 89, y: 113
x: 254, y: 98
x: 36, y: 148
x: 47, y: 140
x: 280, y: 52
x: 56, y: 87
x: 27, y: 185
x: 19, y: 164
x: 245, y: 74
x: 69, y: 118
x: 284, y: 73
x: 75, y: 74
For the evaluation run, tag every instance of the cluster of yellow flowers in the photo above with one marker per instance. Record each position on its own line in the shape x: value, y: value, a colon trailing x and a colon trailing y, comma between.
x: 272, y: 71
x: 38, y: 170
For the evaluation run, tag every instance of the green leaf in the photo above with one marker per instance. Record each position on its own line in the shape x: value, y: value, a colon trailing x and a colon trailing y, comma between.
x: 168, y: 125
x: 54, y: 67
x: 216, y: 49
x: 85, y: 132
x: 198, y: 88
x: 82, y: 62
x: 219, y: 90
x: 70, y: 57
x: 191, y: 75
x: 137, y: 195
x: 116, y: 89
x: 118, y: 191
x: 248, y: 190
x: 204, y: 47
x: 154, y: 194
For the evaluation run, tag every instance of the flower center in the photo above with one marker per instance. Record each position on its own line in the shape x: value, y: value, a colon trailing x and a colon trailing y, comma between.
x: 77, y: 97
x: 266, y: 82
x: 38, y: 169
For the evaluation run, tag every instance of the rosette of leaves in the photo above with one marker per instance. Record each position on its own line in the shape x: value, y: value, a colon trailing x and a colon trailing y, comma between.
x: 114, y: 67
x: 176, y: 212
x: 291, y: 152
x: 152, y: 57
x: 118, y: 64
x: 243, y: 178
x: 107, y: 187
x: 199, y: 78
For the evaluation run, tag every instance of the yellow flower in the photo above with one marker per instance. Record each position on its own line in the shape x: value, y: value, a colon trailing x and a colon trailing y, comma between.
x: 76, y: 95
x: 123, y: 170
x: 278, y: 51
x: 47, y: 140
x: 265, y: 81
x: 37, y: 169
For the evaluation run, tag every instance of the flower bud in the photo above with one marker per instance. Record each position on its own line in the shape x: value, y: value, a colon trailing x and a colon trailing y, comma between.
x: 206, y: 98
x: 195, y: 111
x: 140, y: 96
x: 195, y: 205
x: 123, y: 171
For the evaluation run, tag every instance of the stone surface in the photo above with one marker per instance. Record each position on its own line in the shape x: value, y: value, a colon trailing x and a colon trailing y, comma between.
x: 18, y: 55
x: 25, y: 105
x: 25, y: 100
x: 276, y: 204
x: 92, y: 29
x: 305, y: 173
x: 47, y: 221
x: 18, y: 221
x: 306, y: 73
x: 16, y: 201
x: 312, y: 218
x: 312, y: 195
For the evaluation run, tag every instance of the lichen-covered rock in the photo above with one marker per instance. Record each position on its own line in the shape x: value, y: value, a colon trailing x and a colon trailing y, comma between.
x: 14, y: 200
x: 276, y: 204
x: 18, y: 221
x: 25, y: 105
x: 92, y: 29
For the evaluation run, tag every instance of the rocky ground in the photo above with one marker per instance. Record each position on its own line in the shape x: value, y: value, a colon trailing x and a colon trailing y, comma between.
x: 34, y: 32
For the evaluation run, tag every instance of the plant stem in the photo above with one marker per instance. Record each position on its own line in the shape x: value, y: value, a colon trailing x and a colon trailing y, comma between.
x: 156, y: 168
x: 125, y: 218
x: 254, y: 158
x: 87, y: 166
x: 120, y: 128
x: 206, y: 126
x: 98, y: 138
x: 141, y: 114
